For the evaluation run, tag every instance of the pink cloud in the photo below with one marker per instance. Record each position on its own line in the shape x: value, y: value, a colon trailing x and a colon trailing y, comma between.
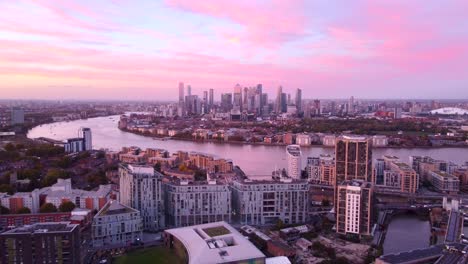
x: 265, y: 24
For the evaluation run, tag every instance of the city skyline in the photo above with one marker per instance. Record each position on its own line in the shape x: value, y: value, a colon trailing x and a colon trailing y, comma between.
x: 115, y: 50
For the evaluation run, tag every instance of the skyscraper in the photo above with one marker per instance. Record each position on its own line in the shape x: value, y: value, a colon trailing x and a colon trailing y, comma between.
x: 189, y: 90
x: 351, y: 109
x: 353, y: 156
x: 211, y: 98
x: 294, y: 158
x: 205, y: 102
x: 181, y: 92
x: 226, y: 102
x: 298, y: 100
x: 278, y: 104
x: 237, y: 100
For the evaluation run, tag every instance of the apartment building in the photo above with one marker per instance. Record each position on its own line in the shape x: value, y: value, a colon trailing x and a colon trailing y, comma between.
x: 266, y: 202
x: 354, y: 208
x: 444, y: 182
x: 193, y: 203
x: 141, y: 189
x: 53, y: 242
x: 116, y: 224
x: 294, y: 158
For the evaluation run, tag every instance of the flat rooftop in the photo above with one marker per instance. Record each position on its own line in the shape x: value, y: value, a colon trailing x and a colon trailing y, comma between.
x: 52, y: 227
x: 215, y: 243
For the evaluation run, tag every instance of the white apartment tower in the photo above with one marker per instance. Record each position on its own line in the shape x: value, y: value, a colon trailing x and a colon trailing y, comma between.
x: 294, y: 158
x: 141, y: 189
x: 88, y: 139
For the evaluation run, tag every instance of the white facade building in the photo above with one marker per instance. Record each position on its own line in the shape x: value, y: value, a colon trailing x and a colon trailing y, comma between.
x: 264, y: 202
x: 116, y: 224
x: 303, y: 140
x: 88, y: 139
x: 294, y: 158
x: 193, y: 203
x: 141, y: 189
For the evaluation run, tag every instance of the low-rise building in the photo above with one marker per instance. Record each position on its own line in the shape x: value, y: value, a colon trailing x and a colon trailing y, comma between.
x: 116, y: 224
x: 266, y: 202
x: 212, y: 243
x: 303, y: 140
x: 379, y: 141
x: 444, y: 182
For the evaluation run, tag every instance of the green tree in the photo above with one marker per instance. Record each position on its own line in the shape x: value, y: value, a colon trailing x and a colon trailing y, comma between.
x: 6, y: 188
x: 325, y: 202
x: 66, y: 206
x: 200, y: 175
x: 23, y: 210
x: 52, y: 176
x: 10, y: 147
x: 48, y: 208
x: 157, y: 167
x: 64, y: 162
x: 4, y: 210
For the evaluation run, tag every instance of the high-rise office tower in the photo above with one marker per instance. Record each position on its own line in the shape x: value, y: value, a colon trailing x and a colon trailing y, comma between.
x: 211, y: 98
x: 205, y: 102
x: 317, y: 108
x: 351, y: 109
x: 278, y: 104
x: 259, y: 88
x: 294, y: 158
x: 245, y: 101
x: 284, y: 103
x: 354, y: 208
x: 189, y: 90
x: 141, y: 189
x: 289, y: 99
x: 226, y: 102
x: 181, y: 92
x: 298, y: 100
x: 353, y: 156
x: 88, y: 138
x: 237, y: 98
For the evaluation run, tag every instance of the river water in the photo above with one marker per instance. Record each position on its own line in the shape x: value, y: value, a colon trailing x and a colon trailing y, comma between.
x: 255, y: 160
x: 406, y: 232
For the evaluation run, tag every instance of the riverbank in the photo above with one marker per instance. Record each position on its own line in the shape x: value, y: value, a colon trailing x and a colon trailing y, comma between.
x: 233, y: 142
x: 255, y: 159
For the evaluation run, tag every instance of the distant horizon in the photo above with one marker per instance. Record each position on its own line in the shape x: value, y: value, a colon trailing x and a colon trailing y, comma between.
x: 330, y: 49
x: 218, y: 101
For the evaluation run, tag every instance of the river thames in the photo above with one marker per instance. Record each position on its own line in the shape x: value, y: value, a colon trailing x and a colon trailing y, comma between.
x: 255, y: 160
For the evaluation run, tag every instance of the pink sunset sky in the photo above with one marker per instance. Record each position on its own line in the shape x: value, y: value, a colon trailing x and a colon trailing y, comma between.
x: 142, y: 49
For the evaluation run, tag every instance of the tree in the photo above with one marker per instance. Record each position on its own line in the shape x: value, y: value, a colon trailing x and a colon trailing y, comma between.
x: 48, y: 208
x: 325, y: 202
x: 10, y: 147
x: 64, y: 162
x: 4, y: 210
x: 23, y: 210
x: 52, y: 176
x: 6, y: 188
x: 66, y: 206
x: 157, y: 167
x: 200, y: 175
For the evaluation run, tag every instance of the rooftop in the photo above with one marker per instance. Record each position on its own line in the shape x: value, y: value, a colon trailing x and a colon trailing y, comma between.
x: 51, y: 227
x: 113, y: 208
x: 215, y: 243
